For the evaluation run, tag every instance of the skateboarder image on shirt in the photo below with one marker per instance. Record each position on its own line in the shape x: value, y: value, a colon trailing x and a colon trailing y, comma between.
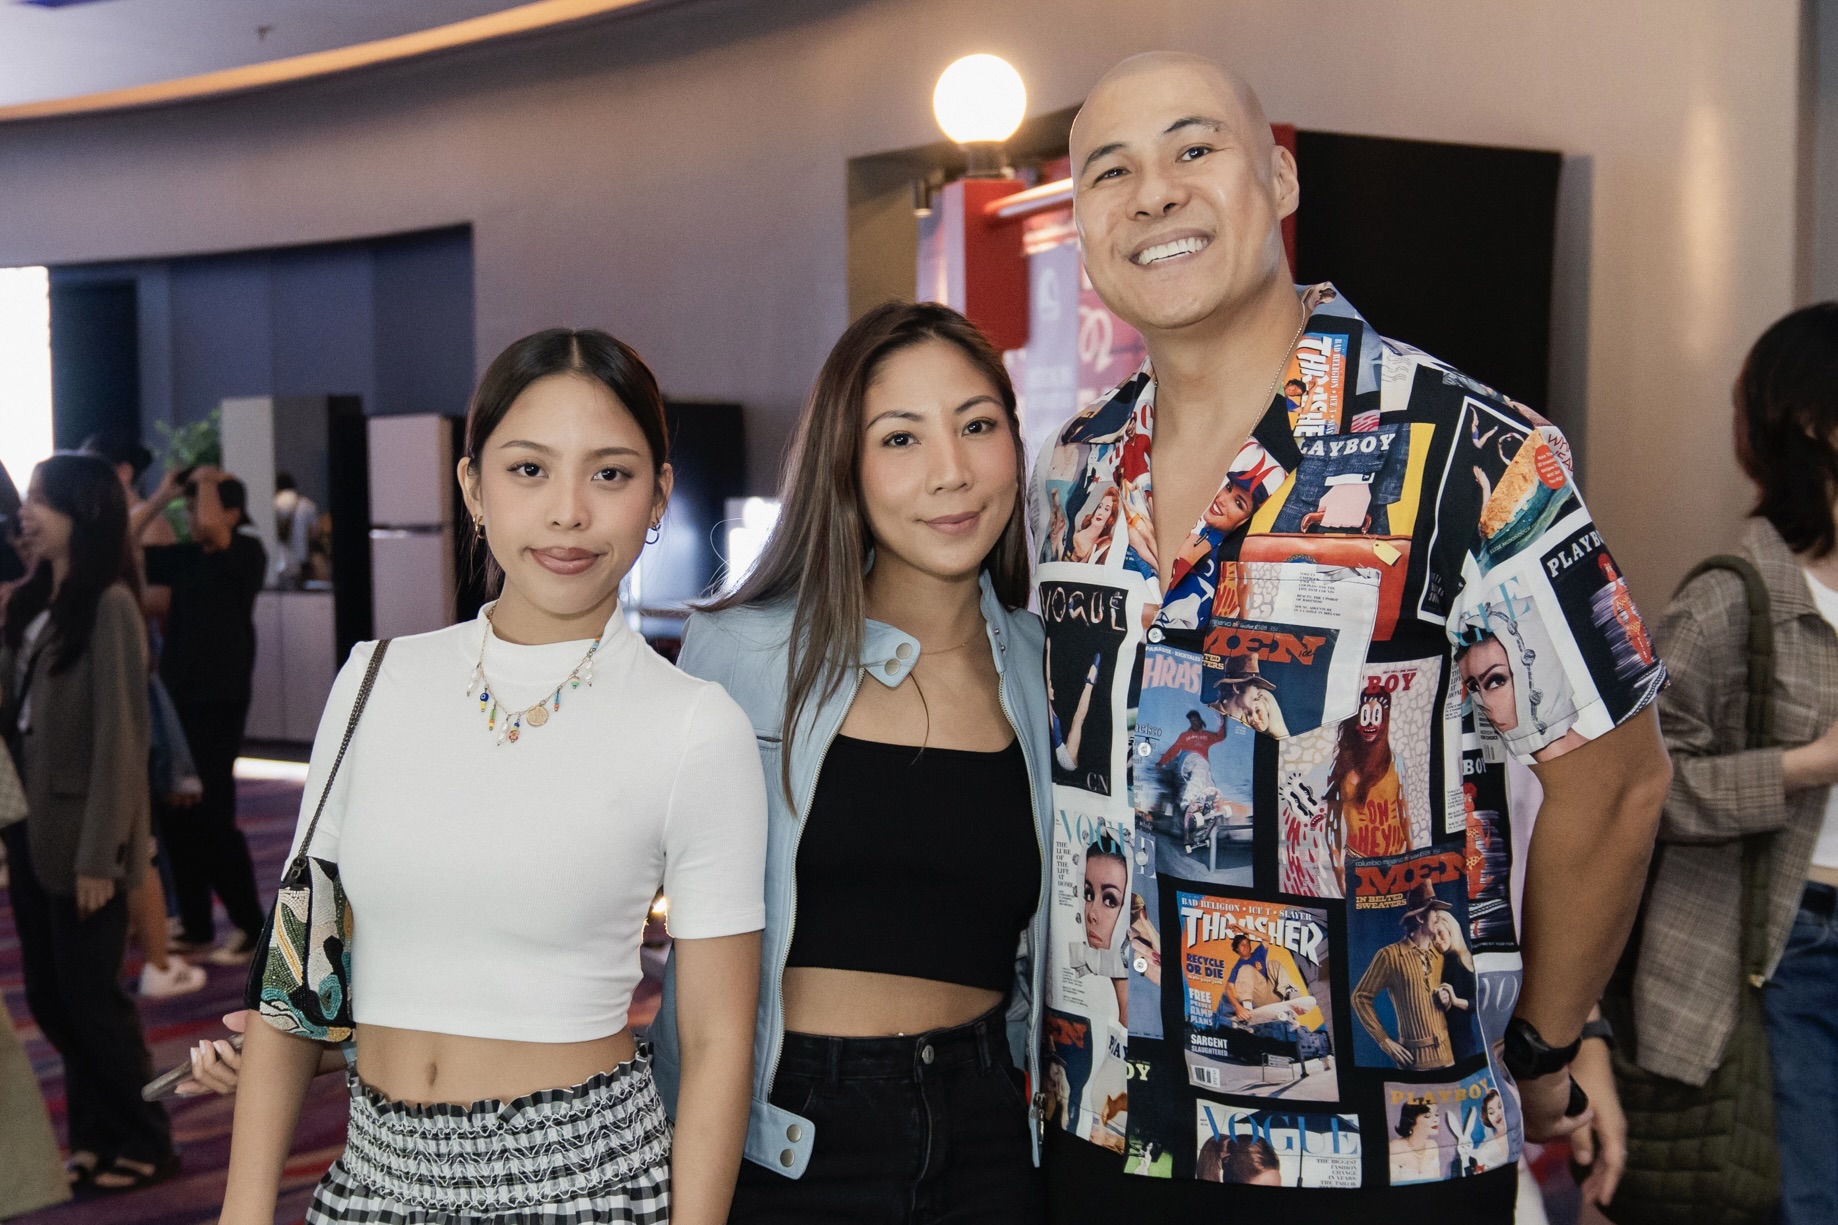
x: 1202, y: 804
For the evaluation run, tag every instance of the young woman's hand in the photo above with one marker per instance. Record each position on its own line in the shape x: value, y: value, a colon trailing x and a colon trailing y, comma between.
x: 93, y: 893
x: 215, y: 1064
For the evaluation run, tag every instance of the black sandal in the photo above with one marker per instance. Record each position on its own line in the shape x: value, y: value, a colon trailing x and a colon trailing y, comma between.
x: 78, y: 1173
x: 137, y: 1178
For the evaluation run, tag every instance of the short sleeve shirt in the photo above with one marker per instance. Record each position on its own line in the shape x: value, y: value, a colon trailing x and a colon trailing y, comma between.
x: 1397, y: 586
x: 209, y: 652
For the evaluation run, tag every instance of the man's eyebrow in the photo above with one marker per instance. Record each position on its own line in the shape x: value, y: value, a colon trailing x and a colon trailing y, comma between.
x: 1100, y: 151
x: 1193, y: 121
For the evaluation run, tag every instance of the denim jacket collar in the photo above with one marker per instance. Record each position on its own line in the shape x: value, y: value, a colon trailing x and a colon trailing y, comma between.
x: 889, y: 653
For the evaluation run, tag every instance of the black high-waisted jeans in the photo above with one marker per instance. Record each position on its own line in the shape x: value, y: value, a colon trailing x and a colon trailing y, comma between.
x: 930, y: 1129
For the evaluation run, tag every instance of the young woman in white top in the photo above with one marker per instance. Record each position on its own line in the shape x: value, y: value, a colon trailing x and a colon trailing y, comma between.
x: 517, y: 790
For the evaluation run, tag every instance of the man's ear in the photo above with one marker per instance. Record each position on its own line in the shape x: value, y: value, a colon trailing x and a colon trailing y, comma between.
x: 1285, y: 182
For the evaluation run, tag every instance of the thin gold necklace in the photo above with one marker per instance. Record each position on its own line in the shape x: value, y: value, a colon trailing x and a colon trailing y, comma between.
x: 1287, y: 354
x: 534, y: 716
x: 924, y: 650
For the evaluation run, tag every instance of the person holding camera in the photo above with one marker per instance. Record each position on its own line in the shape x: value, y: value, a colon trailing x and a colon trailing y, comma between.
x: 207, y: 662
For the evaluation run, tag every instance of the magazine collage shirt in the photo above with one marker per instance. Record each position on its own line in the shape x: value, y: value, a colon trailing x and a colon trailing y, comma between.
x: 1282, y: 941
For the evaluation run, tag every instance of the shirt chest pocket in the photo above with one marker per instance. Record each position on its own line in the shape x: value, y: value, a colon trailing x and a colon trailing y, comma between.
x: 1289, y: 656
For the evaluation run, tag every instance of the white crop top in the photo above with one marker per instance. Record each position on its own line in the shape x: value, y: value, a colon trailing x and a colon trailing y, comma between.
x: 501, y: 890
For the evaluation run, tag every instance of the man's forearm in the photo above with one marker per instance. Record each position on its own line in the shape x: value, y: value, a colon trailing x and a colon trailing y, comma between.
x: 1586, y: 871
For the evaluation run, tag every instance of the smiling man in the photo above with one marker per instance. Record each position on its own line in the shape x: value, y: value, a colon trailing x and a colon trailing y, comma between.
x: 1386, y: 514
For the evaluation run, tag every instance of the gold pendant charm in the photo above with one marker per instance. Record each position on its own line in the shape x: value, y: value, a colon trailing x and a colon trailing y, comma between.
x: 536, y: 715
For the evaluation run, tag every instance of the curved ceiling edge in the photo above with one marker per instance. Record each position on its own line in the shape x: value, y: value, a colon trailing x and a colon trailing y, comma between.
x: 524, y: 19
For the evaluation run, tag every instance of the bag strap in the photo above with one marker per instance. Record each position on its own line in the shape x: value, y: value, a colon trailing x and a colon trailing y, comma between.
x: 1758, y: 725
x: 357, y: 709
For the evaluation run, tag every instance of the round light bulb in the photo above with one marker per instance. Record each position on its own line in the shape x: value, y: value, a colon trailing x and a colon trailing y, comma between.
x: 979, y: 99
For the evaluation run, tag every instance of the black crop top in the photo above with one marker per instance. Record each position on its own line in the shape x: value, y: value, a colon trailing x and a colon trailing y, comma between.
x: 924, y: 864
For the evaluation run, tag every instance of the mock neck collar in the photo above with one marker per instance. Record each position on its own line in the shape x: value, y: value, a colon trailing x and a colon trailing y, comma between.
x: 615, y: 630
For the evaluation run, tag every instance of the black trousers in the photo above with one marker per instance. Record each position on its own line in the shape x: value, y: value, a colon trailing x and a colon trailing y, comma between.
x: 208, y: 852
x: 923, y: 1130
x: 73, y: 988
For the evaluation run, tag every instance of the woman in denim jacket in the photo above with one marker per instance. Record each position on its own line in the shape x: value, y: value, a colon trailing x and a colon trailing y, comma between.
x: 906, y: 753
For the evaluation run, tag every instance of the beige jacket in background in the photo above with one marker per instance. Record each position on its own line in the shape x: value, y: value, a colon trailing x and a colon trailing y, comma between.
x: 1689, y: 976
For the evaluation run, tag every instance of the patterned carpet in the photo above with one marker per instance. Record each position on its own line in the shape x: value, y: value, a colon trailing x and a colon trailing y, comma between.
x: 202, y: 1126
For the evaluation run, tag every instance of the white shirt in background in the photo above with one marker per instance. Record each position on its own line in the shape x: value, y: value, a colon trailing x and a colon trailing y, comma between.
x: 1825, y: 850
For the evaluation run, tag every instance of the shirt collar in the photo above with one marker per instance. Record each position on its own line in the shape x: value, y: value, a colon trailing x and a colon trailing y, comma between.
x: 1132, y: 404
x: 615, y: 630
x: 888, y: 653
x: 1788, y: 595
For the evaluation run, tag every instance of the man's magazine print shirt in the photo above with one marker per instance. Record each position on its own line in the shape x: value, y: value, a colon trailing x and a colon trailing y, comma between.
x: 1282, y: 941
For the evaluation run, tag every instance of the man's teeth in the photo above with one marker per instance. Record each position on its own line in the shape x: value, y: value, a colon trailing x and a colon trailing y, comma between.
x: 1168, y: 250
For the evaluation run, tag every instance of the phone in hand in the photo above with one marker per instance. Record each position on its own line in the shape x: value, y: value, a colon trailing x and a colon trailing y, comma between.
x: 166, y: 1085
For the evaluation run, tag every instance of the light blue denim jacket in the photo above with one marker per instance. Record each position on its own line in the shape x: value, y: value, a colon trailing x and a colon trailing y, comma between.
x: 744, y: 650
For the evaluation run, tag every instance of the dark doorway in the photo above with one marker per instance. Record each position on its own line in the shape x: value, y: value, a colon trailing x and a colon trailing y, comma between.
x: 95, y: 361
x: 1446, y: 247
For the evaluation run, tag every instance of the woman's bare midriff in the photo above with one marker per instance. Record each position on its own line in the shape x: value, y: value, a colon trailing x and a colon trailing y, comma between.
x: 420, y: 1068
x: 856, y: 1004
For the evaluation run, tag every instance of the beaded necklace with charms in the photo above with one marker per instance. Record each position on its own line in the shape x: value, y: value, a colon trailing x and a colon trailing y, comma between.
x: 535, y: 716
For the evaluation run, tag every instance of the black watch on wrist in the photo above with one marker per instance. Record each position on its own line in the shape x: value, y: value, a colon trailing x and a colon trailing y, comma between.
x: 1528, y: 1056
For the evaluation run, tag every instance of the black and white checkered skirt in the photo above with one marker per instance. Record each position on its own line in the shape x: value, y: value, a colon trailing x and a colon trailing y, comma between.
x: 597, y: 1152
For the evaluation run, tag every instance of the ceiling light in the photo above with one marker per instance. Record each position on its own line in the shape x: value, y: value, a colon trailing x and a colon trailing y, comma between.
x: 979, y: 100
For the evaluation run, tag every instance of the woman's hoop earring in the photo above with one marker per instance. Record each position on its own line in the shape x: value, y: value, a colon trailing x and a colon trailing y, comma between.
x: 652, y: 535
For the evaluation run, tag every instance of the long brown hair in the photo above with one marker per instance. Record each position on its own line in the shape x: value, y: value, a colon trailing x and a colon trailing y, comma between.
x: 818, y: 553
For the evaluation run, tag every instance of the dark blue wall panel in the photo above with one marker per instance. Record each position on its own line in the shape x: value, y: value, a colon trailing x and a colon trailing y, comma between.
x: 424, y: 323
x: 388, y: 320
x: 222, y: 340
x: 322, y: 315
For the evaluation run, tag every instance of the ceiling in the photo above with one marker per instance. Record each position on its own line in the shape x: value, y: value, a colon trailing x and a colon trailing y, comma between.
x: 56, y: 49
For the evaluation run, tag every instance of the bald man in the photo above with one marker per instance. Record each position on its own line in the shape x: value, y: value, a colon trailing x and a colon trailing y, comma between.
x: 1331, y: 514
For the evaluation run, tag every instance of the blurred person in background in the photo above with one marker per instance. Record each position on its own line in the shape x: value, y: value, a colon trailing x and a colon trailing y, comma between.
x: 296, y: 518
x: 12, y: 568
x: 29, y: 1178
x: 207, y: 660
x: 73, y: 663
x: 1689, y: 974
x: 162, y: 975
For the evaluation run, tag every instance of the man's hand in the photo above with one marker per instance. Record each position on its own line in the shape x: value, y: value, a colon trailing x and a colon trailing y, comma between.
x: 170, y: 488
x: 93, y: 893
x: 1543, y: 1102
x: 1395, y: 1052
x: 1599, y: 1146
